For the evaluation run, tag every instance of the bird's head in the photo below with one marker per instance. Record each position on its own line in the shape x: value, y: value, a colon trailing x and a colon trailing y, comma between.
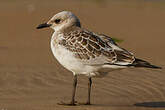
x: 61, y: 20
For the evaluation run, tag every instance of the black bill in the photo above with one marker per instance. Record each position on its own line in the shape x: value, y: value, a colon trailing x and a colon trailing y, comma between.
x: 43, y: 26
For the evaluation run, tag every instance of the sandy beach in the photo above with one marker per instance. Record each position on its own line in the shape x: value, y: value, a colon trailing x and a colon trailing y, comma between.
x: 32, y: 79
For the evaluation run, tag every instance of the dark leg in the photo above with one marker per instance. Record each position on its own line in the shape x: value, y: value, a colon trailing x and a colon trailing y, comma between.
x: 73, y: 93
x: 89, y: 90
x: 74, y: 90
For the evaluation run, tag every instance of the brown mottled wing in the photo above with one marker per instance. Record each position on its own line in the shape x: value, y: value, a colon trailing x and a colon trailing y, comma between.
x: 122, y: 55
x: 88, y: 46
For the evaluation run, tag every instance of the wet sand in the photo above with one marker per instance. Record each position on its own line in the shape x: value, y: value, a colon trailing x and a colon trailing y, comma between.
x: 31, y: 79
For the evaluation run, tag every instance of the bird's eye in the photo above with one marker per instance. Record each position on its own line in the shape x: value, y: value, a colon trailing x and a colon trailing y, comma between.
x: 57, y: 21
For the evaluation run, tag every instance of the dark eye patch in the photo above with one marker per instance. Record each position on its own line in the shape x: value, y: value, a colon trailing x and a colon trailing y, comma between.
x: 57, y: 21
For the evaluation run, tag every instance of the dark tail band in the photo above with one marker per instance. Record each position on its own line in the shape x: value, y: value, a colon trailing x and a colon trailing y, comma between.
x: 142, y: 63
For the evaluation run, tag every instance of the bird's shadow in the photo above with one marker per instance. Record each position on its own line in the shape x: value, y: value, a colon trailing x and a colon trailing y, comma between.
x: 160, y: 104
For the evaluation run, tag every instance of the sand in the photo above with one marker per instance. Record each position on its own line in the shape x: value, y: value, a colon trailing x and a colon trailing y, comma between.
x: 31, y: 79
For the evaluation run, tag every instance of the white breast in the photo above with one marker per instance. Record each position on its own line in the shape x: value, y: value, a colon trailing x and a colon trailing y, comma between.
x: 67, y: 59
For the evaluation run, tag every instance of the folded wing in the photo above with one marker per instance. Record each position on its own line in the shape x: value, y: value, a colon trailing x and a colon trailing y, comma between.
x: 97, y: 48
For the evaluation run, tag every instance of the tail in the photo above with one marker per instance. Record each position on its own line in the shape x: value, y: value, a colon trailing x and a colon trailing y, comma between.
x: 142, y: 63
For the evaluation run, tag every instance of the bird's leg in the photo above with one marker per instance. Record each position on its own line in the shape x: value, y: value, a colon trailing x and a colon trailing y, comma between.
x: 74, y: 90
x: 73, y: 93
x: 89, y: 90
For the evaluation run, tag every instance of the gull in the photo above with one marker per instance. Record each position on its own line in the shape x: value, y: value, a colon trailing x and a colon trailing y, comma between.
x: 84, y: 52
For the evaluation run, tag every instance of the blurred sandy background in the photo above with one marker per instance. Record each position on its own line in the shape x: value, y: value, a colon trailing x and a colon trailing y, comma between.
x: 31, y: 79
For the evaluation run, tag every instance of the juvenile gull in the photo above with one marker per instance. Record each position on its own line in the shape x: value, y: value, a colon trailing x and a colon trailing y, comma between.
x: 85, y: 52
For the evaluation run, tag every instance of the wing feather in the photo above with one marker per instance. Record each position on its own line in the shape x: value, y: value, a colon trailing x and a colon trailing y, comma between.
x: 96, y: 48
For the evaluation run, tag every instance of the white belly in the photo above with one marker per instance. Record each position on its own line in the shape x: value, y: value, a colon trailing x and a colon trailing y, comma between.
x: 67, y: 59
